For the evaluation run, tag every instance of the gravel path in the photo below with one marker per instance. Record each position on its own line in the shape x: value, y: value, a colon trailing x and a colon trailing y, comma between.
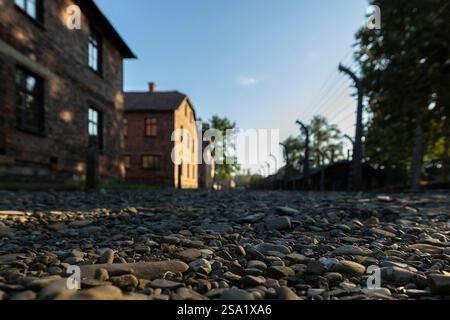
x: 239, y: 245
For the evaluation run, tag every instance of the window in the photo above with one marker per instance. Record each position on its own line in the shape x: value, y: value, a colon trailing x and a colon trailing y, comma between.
x: 95, y: 125
x: 127, y: 161
x: 29, y: 102
x: 151, y: 127
x: 188, y: 170
x: 151, y: 162
x: 95, y: 52
x: 33, y: 8
x: 125, y: 127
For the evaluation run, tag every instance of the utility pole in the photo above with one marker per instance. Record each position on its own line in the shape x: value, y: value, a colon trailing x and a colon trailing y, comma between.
x: 350, y: 139
x: 357, y: 149
x: 353, y: 145
x: 321, y: 165
x: 288, y: 164
x: 276, y: 183
x: 276, y: 162
x: 286, y: 153
x: 306, y: 131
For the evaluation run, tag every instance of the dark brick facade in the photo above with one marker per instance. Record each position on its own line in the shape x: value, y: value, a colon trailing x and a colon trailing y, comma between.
x: 138, y: 145
x: 59, y: 57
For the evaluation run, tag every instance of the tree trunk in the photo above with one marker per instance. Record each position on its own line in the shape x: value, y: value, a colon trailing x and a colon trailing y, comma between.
x: 417, y: 154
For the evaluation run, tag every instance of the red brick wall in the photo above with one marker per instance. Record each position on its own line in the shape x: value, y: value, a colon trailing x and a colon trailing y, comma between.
x: 70, y: 88
x: 137, y: 144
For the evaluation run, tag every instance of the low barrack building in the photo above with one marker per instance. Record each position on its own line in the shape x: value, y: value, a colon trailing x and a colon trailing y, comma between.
x: 153, y: 124
x: 58, y: 87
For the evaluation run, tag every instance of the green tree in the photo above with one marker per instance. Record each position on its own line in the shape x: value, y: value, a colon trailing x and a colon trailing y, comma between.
x: 326, y: 142
x: 224, y: 169
x: 293, y: 151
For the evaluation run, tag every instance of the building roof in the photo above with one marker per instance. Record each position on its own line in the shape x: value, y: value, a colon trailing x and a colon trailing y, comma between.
x: 154, y: 101
x: 97, y: 18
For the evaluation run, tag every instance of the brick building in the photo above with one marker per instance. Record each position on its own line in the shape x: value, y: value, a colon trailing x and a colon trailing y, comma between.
x: 151, y: 118
x: 58, y: 86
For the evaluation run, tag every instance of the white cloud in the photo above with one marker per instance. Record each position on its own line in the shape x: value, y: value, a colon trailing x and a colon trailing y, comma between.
x: 246, y: 81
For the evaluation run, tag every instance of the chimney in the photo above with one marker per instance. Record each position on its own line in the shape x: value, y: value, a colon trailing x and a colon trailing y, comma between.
x: 152, y: 87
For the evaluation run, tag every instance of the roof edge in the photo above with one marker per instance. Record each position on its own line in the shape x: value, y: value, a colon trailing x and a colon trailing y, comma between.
x: 92, y: 10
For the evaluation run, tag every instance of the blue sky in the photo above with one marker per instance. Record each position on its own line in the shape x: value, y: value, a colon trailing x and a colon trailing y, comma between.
x: 261, y: 63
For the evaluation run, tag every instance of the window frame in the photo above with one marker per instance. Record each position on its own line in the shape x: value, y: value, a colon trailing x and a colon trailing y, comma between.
x: 95, y: 41
x: 151, y: 128
x: 156, y: 157
x: 125, y: 127
x: 127, y: 164
x: 38, y: 103
x: 39, y: 11
x: 98, y: 124
x: 188, y: 140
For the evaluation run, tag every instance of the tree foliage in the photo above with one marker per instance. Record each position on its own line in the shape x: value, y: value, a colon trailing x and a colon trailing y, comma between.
x: 405, y: 69
x: 326, y: 144
x: 224, y: 169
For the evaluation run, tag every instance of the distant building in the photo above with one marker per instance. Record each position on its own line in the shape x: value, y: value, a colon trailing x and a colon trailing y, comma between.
x: 58, y: 86
x: 151, y: 118
x: 337, y: 177
x: 206, y: 169
x: 332, y: 177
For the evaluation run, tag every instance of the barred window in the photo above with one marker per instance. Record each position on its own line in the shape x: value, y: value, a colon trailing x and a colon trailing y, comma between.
x: 29, y: 101
x: 151, y: 162
x: 33, y: 8
x: 127, y: 161
x: 151, y: 127
x: 94, y: 52
x: 95, y: 125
